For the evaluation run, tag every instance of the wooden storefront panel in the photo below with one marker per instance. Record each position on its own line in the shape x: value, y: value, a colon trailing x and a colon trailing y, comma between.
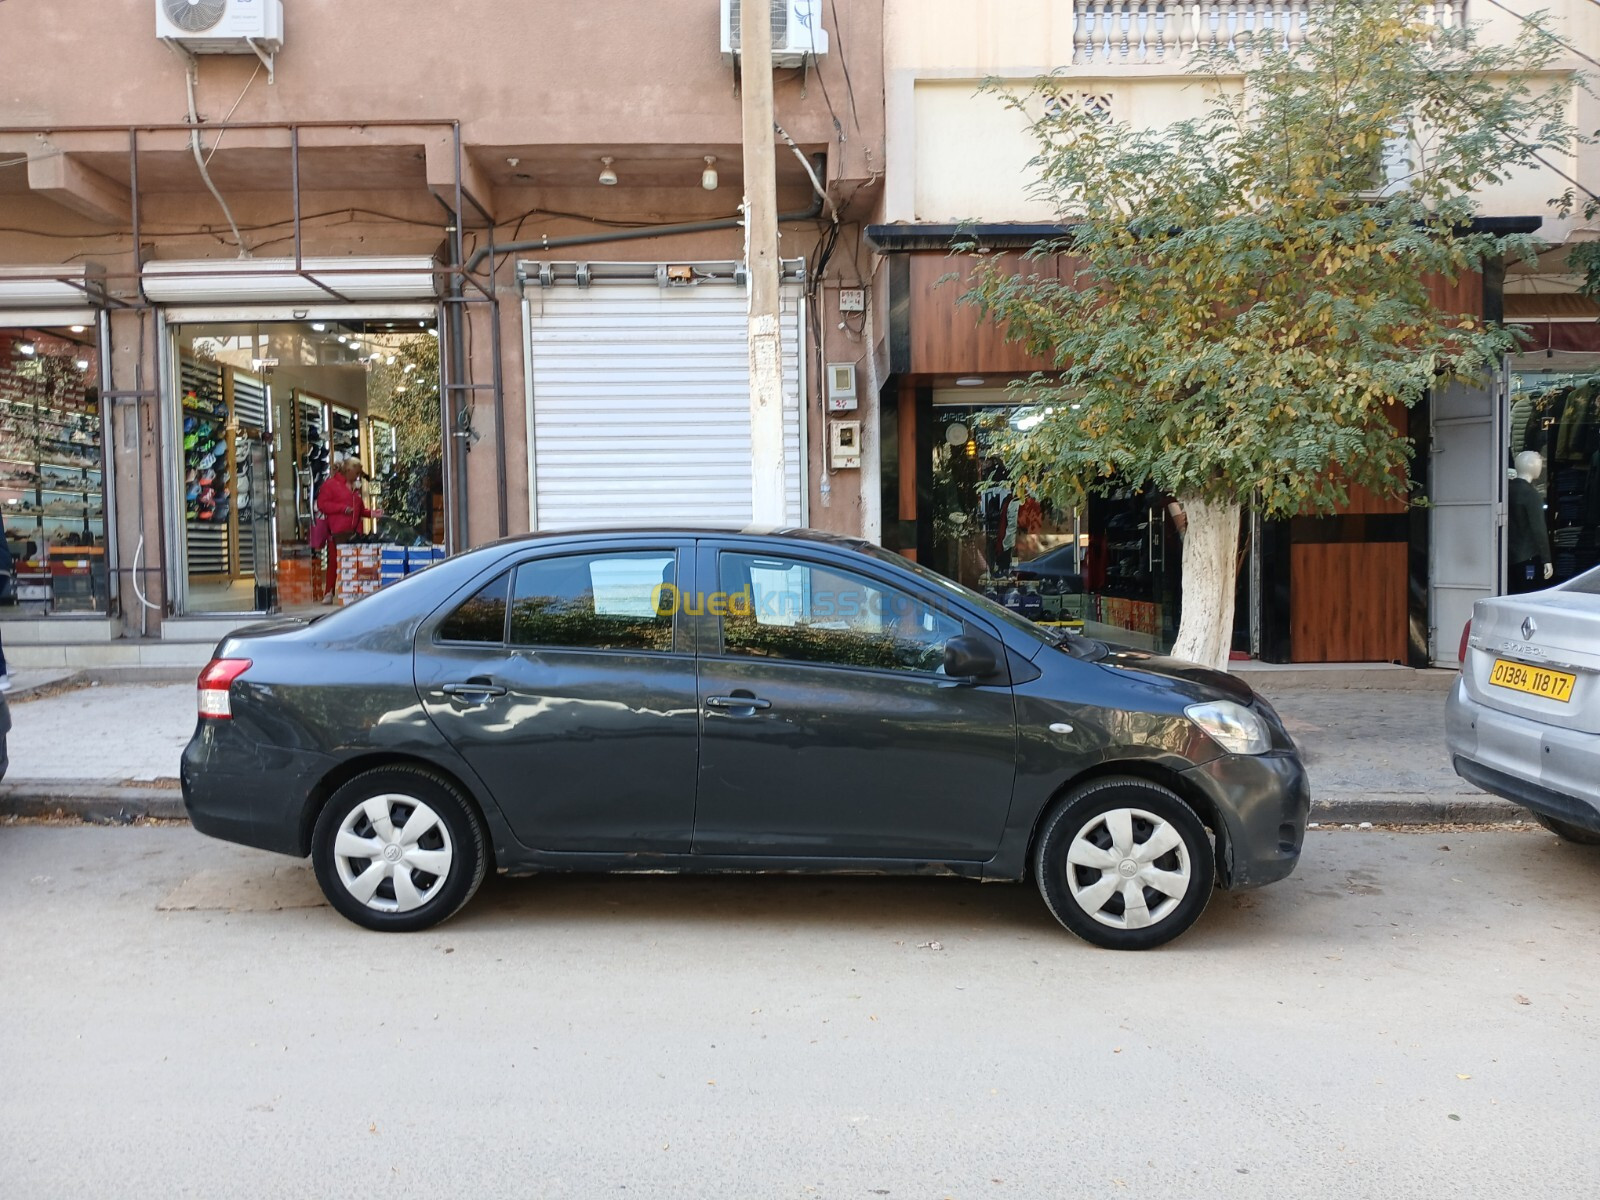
x: 1349, y: 602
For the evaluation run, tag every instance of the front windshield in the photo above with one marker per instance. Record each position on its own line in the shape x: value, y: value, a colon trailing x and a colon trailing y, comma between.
x: 990, y: 609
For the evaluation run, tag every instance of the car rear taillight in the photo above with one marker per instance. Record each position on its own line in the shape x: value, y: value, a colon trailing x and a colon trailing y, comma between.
x: 215, y: 680
x: 1466, y: 636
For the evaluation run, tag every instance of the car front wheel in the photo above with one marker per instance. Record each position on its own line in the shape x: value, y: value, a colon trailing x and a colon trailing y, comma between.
x: 398, y: 849
x: 1125, y: 864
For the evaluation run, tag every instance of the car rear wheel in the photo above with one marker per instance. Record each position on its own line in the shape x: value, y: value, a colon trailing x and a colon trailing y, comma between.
x: 1125, y: 864
x: 398, y: 849
x: 1568, y: 831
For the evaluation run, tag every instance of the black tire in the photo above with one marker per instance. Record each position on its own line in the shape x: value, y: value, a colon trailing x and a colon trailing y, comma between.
x: 1568, y: 831
x: 456, y: 832
x: 1188, y: 864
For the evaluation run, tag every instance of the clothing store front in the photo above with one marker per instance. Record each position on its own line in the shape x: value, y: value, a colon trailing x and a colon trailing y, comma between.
x: 53, y: 471
x: 261, y: 413
x: 1553, y: 464
x: 1110, y: 567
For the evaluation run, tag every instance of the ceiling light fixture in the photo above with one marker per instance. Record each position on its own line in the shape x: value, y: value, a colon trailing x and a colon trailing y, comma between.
x: 708, y: 177
x: 343, y: 339
x: 83, y: 364
x: 608, y: 177
x: 26, y: 348
x: 319, y: 326
x: 432, y: 332
x: 355, y: 344
x: 969, y: 381
x: 79, y: 328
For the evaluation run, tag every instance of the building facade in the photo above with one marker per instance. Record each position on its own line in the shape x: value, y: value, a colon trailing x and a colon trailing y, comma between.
x: 1379, y: 582
x: 502, y: 271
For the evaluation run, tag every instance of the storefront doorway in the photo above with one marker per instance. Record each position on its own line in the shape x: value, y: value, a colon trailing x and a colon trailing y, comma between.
x: 262, y: 414
x: 52, y: 470
x: 1552, y: 461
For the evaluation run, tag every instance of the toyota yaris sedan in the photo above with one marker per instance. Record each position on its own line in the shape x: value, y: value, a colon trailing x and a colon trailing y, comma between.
x: 685, y: 700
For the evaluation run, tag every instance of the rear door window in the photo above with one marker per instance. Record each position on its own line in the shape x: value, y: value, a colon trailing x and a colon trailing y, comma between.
x: 615, y: 601
x: 481, y: 619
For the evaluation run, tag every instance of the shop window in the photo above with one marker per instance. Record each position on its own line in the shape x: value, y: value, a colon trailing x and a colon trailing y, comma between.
x: 596, y: 602
x: 482, y: 619
x: 803, y: 612
x: 1553, y: 467
x: 52, y: 469
x: 267, y: 411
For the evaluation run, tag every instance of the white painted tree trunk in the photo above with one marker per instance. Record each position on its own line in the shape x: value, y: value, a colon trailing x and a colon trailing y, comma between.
x: 1210, y: 579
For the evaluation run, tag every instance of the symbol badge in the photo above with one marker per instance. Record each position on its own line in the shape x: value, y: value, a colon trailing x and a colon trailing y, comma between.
x: 1529, y: 628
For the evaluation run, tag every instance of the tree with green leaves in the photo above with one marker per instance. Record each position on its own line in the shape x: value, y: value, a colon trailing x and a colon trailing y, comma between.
x: 1243, y: 294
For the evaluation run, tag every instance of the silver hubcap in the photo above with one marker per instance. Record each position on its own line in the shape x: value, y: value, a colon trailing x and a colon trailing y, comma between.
x: 392, y: 853
x: 1128, y: 868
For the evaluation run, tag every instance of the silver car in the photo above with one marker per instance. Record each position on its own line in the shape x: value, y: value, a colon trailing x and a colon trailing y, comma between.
x: 1523, y: 721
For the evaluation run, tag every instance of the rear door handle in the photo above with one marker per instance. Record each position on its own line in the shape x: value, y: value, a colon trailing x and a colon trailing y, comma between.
x: 737, y: 702
x: 473, y: 691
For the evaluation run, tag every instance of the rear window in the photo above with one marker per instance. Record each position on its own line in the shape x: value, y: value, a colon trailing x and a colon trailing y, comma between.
x: 1588, y: 583
x: 480, y: 619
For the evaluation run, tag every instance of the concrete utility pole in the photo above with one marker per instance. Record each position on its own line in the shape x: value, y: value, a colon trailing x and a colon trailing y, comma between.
x: 761, y: 255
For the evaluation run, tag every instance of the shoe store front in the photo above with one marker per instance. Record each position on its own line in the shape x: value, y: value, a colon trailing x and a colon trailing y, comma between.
x: 262, y: 414
x: 53, y: 468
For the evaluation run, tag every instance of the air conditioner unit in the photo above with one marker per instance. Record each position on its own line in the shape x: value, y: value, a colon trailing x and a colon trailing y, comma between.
x: 797, y: 32
x: 222, y: 26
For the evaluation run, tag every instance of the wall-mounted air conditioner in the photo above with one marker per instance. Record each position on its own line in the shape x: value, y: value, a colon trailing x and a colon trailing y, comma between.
x: 222, y: 26
x: 797, y: 32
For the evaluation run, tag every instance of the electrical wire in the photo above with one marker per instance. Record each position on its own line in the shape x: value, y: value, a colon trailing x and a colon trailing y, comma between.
x: 838, y: 33
x: 191, y: 76
x: 1542, y: 31
x: 218, y: 143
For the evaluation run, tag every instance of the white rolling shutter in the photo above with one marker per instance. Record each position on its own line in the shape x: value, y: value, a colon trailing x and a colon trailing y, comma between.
x: 640, y: 399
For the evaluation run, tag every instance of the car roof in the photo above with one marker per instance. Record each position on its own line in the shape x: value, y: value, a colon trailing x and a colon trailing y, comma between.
x: 613, y: 532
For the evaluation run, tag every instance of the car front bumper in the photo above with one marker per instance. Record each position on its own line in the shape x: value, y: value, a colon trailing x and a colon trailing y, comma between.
x: 1263, y: 800
x: 1542, y: 767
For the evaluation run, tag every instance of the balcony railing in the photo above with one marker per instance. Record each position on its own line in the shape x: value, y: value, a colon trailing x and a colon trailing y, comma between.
x: 1163, y: 31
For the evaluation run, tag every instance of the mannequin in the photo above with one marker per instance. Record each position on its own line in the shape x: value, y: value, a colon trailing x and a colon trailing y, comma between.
x: 1528, y: 547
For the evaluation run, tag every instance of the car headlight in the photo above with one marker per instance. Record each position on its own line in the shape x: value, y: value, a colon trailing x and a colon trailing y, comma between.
x: 1232, y: 726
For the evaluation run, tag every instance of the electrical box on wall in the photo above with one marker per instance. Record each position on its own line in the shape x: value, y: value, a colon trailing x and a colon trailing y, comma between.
x: 841, y: 387
x: 852, y: 300
x: 844, y: 445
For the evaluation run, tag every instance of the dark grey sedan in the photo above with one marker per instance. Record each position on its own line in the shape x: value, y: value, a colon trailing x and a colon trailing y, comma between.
x: 687, y: 700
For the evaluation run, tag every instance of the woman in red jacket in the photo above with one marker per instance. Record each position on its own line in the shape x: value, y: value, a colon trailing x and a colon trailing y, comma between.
x: 341, y: 504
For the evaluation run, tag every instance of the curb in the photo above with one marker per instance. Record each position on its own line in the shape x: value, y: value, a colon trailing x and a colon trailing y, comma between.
x: 1417, y: 809
x: 99, y: 803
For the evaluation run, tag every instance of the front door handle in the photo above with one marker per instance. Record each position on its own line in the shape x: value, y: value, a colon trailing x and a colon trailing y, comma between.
x: 737, y: 703
x: 473, y: 691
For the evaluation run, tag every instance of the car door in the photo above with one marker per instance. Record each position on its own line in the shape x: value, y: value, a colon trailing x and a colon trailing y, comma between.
x: 827, y: 726
x: 570, y: 689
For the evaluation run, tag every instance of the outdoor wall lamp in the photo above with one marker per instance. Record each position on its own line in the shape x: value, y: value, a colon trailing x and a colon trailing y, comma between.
x: 708, y: 178
x: 608, y: 177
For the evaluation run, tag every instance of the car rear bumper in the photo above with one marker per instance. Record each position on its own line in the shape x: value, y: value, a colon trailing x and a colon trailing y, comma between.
x: 241, y: 791
x: 1264, y: 800
x: 1548, y: 769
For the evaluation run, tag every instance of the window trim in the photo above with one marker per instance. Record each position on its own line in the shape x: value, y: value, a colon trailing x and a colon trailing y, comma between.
x: 716, y: 650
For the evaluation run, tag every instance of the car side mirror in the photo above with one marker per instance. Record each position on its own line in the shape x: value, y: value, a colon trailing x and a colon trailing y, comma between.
x: 970, y: 657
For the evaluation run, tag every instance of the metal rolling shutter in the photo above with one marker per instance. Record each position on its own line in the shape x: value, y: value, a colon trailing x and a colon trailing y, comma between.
x: 640, y: 401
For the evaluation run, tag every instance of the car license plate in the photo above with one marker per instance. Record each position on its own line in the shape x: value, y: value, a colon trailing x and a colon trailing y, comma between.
x: 1536, y: 681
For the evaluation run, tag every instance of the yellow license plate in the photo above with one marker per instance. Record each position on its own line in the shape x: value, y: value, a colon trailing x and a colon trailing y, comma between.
x: 1536, y: 681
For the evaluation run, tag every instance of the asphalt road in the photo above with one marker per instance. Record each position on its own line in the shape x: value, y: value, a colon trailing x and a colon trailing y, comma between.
x: 183, y: 1018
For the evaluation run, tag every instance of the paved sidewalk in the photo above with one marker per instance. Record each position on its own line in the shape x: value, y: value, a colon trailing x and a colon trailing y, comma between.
x: 1374, y: 754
